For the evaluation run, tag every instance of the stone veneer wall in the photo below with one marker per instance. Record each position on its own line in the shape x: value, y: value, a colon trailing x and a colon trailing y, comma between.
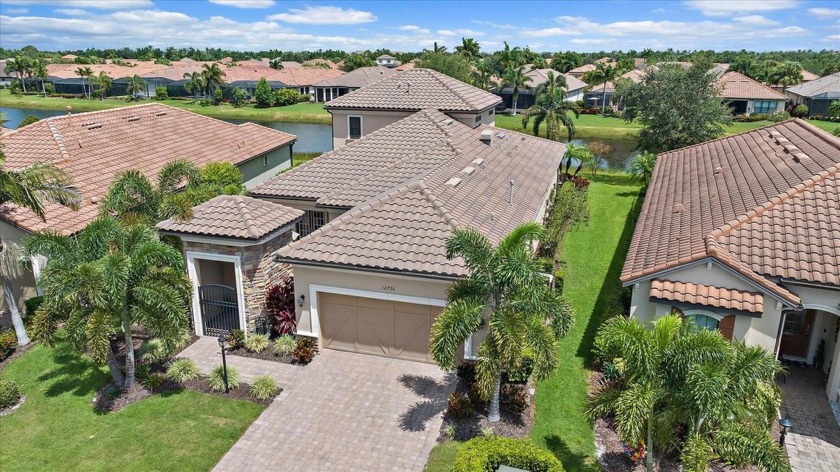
x: 259, y: 270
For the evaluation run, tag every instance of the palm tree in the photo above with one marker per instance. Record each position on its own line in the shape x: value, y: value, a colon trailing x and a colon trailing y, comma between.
x: 642, y: 166
x: 105, y: 280
x: 833, y: 109
x: 469, y: 48
x: 507, y: 294
x: 195, y: 82
x: 552, y: 109
x: 482, y: 75
x: 213, y: 77
x: 516, y: 79
x: 510, y: 58
x: 22, y: 67
x: 276, y: 63
x: 678, y: 377
x: 103, y: 81
x: 134, y: 85
x: 85, y: 73
x: 39, y: 71
x: 10, y: 269
x: 745, y: 65
x: 602, y: 74
x: 786, y: 74
x: 33, y: 186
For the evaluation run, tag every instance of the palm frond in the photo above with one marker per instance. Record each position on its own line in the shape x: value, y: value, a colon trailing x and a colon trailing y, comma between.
x: 175, y: 174
x: 452, y: 327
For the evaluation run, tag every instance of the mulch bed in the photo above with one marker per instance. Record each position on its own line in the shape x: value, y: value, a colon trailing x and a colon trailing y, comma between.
x: 266, y: 355
x: 19, y: 351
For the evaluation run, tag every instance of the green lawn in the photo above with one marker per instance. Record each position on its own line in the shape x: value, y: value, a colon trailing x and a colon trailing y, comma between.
x: 593, y: 257
x: 58, y: 429
x: 297, y: 113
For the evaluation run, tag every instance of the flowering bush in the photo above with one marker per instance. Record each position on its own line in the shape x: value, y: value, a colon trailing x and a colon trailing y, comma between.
x: 636, y: 453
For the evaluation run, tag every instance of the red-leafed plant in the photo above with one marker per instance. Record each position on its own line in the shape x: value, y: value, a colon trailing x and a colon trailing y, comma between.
x: 280, y: 304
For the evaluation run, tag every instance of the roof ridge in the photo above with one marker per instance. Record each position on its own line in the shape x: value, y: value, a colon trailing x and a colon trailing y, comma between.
x: 246, y: 214
x: 107, y: 110
x: 734, y: 72
x: 437, y: 76
x: 56, y: 134
x: 438, y: 207
x: 818, y: 132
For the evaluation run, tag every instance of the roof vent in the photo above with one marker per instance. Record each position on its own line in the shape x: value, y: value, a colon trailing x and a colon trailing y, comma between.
x: 500, y: 135
x: 447, y: 122
x: 160, y: 113
x: 454, y: 181
x: 799, y: 156
x: 718, y: 170
x: 478, y: 161
x: 487, y: 136
x: 791, y: 149
x: 133, y: 118
x: 782, y: 141
x: 679, y: 208
x: 775, y: 134
x: 94, y: 126
x: 468, y: 170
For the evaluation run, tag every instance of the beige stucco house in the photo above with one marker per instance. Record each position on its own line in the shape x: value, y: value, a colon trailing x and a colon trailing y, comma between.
x: 402, y: 94
x: 742, y: 234
x: 93, y: 148
x: 747, y: 96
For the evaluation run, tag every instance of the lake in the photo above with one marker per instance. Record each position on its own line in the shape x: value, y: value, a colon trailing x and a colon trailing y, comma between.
x: 318, y: 137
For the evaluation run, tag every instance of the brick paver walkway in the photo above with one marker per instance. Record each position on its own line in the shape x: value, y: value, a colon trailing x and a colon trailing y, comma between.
x: 344, y: 412
x: 814, y: 441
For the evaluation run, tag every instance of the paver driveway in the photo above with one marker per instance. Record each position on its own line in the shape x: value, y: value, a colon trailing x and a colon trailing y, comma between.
x: 343, y: 412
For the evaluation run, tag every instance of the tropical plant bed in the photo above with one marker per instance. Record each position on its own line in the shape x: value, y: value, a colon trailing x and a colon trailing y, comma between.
x: 19, y: 351
x: 11, y: 409
x: 266, y: 355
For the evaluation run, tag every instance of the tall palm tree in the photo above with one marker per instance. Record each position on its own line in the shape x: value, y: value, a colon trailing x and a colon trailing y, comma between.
x: 603, y: 73
x: 105, y: 280
x: 39, y: 71
x: 745, y: 65
x: 134, y: 85
x: 22, y: 67
x: 482, y: 75
x: 552, y: 109
x: 786, y: 74
x: 85, y: 73
x: 103, y: 81
x: 510, y: 58
x: 10, y: 269
x: 506, y: 293
x: 213, y: 77
x: 516, y: 79
x: 195, y: 82
x: 678, y: 377
x: 468, y: 48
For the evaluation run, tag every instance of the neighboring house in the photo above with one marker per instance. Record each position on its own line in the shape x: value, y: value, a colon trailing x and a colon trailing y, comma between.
x: 746, y: 96
x: 329, y: 89
x: 527, y: 96
x: 370, y: 269
x: 816, y: 94
x: 579, y: 71
x: 93, y: 148
x: 387, y: 61
x: 741, y: 234
x: 399, y: 95
x: 596, y: 93
x: 6, y: 77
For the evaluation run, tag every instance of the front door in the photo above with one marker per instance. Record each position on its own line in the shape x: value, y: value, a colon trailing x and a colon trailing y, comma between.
x: 797, y: 333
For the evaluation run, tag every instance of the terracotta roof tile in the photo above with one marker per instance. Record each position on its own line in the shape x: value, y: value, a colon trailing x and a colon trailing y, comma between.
x: 94, y: 147
x: 234, y: 216
x: 709, y: 295
x: 735, y: 85
x: 730, y: 197
x: 418, y: 89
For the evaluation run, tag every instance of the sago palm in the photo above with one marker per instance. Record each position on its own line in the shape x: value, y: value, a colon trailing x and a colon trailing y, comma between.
x: 552, y: 109
x: 679, y: 377
x: 105, y: 280
x: 507, y: 295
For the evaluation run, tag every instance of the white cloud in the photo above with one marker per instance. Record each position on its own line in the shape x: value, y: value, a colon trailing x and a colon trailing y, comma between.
x: 823, y: 12
x: 99, y: 4
x: 245, y: 3
x: 592, y: 41
x: 732, y: 7
x: 494, y: 25
x: 415, y: 29
x: 832, y: 38
x: 548, y: 32
x: 325, y: 15
x: 16, y: 11
x: 72, y: 11
x: 756, y: 20
x: 446, y: 33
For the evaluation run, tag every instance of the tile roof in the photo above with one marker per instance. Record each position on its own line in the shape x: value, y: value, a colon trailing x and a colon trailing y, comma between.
x: 358, y: 78
x: 234, y: 216
x: 808, y: 76
x: 418, y: 89
x: 730, y: 199
x: 709, y: 295
x: 540, y: 76
x: 825, y: 87
x: 94, y: 147
x: 735, y: 85
x: 406, y: 206
x: 583, y: 69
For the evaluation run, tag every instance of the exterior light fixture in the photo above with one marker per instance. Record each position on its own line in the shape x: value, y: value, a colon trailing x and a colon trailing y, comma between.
x: 785, y: 424
x: 222, y: 343
x: 301, y: 299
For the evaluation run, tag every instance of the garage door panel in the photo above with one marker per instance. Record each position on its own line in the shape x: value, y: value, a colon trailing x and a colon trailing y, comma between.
x: 338, y: 322
x: 375, y: 330
x: 411, y: 335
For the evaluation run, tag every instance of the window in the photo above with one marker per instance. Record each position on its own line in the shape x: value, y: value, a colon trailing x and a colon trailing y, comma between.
x: 704, y: 321
x: 311, y: 221
x: 478, y: 119
x: 764, y: 107
x: 354, y: 126
x: 794, y: 323
x: 492, y: 112
x: 265, y: 160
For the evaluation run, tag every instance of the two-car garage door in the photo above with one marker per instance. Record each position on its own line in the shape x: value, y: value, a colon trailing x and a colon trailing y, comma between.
x: 379, y: 327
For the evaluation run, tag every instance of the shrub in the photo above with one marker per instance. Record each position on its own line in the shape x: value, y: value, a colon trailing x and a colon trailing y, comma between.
x: 459, y: 406
x: 142, y: 372
x: 161, y: 93
x: 154, y: 381
x: 263, y: 94
x: 264, y: 387
x: 513, y: 398
x: 31, y: 305
x: 218, y: 96
x: 525, y: 369
x: 236, y: 339
x: 28, y: 121
x: 8, y: 343
x: 285, y: 97
x: 216, y: 379
x: 9, y: 394
x: 800, y: 110
x: 180, y: 341
x: 836, y: 131
x: 466, y: 371
x: 183, y: 370
x: 256, y: 343
x: 154, y: 351
x: 779, y: 116
x: 49, y: 88
x: 284, y: 345
x: 487, y: 454
x: 280, y: 305
x: 305, y: 350
x: 238, y: 97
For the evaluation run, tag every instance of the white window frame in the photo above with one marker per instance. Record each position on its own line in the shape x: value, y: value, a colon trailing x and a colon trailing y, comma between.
x: 192, y: 257
x: 361, y: 126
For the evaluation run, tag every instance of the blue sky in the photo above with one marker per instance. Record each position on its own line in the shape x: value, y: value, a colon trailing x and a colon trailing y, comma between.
x: 412, y: 26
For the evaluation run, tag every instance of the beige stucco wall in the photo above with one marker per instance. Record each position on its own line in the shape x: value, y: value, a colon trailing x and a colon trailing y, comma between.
x: 371, y: 121
x: 488, y: 117
x: 24, y: 286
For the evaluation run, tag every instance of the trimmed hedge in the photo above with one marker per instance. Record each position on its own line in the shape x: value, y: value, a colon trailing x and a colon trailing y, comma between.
x: 487, y: 454
x: 9, y: 394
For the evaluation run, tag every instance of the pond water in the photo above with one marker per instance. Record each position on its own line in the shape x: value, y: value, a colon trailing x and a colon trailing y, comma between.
x: 318, y: 137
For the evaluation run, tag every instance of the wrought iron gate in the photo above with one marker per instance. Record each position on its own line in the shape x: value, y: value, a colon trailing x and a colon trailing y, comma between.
x: 219, y: 309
